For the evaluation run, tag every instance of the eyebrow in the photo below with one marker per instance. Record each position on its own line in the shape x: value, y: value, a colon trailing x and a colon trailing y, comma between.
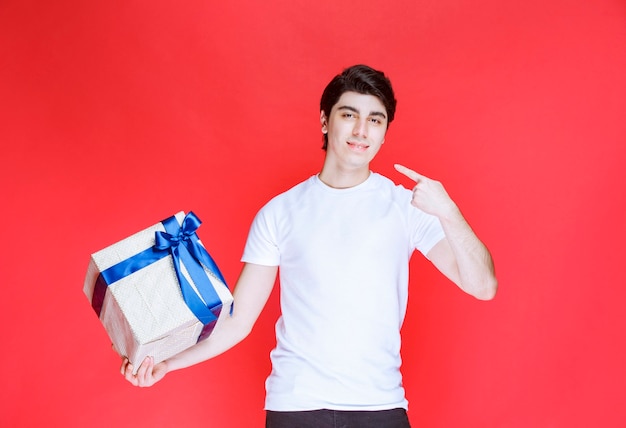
x: 372, y: 113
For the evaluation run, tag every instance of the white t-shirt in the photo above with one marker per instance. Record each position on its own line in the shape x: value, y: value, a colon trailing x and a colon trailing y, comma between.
x: 343, y: 257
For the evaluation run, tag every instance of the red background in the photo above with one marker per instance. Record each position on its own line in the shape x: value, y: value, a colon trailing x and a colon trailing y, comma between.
x: 117, y: 114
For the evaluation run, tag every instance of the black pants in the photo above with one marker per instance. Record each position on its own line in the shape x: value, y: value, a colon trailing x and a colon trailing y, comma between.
x: 394, y: 418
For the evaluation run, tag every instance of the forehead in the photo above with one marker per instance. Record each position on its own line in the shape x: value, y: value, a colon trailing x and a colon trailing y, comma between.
x: 363, y: 103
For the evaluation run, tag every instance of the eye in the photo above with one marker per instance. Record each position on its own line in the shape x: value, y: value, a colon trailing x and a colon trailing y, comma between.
x: 376, y: 120
x: 348, y: 115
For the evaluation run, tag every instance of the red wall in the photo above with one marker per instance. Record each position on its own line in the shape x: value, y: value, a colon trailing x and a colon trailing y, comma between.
x: 114, y: 115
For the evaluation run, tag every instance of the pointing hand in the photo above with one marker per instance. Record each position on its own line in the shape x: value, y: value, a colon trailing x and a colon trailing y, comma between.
x: 428, y: 195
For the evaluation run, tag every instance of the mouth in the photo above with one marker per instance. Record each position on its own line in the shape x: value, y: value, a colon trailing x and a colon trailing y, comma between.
x: 356, y: 146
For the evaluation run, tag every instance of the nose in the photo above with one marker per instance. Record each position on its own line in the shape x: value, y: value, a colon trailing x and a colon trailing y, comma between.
x: 360, y: 129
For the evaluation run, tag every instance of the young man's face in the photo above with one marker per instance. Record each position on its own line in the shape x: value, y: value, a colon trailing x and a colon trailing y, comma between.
x: 356, y: 128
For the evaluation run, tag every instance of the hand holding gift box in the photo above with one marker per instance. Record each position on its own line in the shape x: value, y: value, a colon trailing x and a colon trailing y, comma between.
x: 157, y: 292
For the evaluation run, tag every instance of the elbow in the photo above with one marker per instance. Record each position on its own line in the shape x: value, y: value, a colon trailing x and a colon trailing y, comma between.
x: 488, y: 290
x: 241, y: 327
x: 244, y: 332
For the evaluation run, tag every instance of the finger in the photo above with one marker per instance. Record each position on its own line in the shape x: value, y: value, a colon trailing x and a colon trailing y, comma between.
x: 123, y: 366
x: 408, y: 172
x: 143, y: 368
x: 149, y: 365
x: 128, y: 374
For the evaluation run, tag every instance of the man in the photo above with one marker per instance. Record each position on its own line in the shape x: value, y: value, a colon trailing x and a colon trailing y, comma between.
x: 343, y: 240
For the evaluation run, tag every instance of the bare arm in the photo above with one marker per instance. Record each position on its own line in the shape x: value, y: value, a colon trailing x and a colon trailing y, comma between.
x: 251, y: 292
x: 464, y: 259
x: 461, y: 256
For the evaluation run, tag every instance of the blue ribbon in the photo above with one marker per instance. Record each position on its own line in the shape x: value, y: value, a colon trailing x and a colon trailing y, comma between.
x: 183, y: 244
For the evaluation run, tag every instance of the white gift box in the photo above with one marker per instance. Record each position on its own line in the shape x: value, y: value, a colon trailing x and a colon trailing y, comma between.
x: 143, y: 308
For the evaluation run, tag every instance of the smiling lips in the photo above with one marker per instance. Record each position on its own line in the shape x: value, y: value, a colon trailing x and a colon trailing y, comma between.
x: 359, y: 147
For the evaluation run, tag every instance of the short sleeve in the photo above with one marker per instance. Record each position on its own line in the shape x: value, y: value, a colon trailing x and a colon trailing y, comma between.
x: 426, y: 231
x: 261, y: 246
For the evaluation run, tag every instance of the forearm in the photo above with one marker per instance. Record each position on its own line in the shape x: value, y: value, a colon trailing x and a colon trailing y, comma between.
x: 250, y: 295
x: 226, y: 334
x: 473, y: 270
x: 251, y: 292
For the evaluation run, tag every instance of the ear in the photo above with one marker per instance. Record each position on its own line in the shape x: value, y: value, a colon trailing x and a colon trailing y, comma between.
x: 323, y: 122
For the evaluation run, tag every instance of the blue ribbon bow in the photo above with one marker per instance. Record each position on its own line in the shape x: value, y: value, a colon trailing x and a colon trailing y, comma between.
x: 183, y: 244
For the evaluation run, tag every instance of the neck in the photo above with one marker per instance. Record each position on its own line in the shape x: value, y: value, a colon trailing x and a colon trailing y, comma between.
x: 342, y: 179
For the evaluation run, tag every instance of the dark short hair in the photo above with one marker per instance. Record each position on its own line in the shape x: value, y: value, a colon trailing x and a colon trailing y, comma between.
x: 363, y: 80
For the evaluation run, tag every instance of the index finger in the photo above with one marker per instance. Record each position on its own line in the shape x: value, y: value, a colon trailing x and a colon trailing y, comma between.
x: 408, y: 172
